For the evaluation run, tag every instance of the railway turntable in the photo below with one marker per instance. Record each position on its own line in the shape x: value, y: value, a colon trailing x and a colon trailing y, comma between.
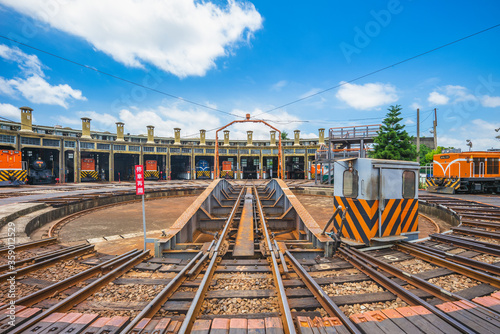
x: 248, y: 258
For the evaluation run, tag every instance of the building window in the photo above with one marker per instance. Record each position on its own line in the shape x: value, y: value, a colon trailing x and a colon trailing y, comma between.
x: 300, y: 151
x: 71, y: 144
x: 350, y: 184
x: 88, y: 146
x: 119, y: 147
x: 210, y: 150
x: 103, y: 146
x: 51, y: 142
x: 30, y: 141
x: 186, y: 150
x: 408, y: 184
x: 175, y: 150
x: 134, y: 148
x: 149, y: 149
x: 7, y: 139
x: 161, y: 149
x: 233, y: 151
x: 198, y: 150
x: 243, y: 151
x: 311, y: 151
x: 222, y: 151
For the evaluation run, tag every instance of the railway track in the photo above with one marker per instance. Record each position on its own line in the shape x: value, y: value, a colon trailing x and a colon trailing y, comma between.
x: 247, y: 278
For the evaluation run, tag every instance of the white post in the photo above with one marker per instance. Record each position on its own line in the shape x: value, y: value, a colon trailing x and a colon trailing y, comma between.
x: 144, y: 221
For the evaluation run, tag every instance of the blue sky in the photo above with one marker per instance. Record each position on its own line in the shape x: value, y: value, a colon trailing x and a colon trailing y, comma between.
x: 250, y: 57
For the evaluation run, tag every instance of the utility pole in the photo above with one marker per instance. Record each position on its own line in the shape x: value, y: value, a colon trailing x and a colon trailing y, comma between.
x: 418, y: 135
x: 435, y: 125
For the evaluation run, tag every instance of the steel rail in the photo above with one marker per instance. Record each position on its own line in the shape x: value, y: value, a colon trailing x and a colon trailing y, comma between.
x: 492, y: 269
x: 468, y: 244
x: 42, y: 256
x: 154, y: 305
x: 458, y: 268
x: 282, y: 258
x: 28, y: 245
x: 478, y: 233
x: 481, y: 224
x: 420, y: 283
x: 409, y: 297
x: 196, y: 267
x: 322, y: 297
x: 73, y: 280
x: 80, y: 295
x: 286, y: 314
x: 46, y: 263
x: 197, y: 301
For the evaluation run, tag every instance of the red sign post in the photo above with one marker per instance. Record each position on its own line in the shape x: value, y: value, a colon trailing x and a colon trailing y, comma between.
x: 139, y: 190
x: 139, y: 180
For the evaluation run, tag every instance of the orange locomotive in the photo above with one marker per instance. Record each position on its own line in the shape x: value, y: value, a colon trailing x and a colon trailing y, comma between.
x: 151, y: 170
x: 227, y: 170
x: 88, y: 172
x: 12, y: 171
x: 472, y: 172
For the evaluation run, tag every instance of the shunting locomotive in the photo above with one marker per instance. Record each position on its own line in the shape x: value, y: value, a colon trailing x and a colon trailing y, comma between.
x: 151, y: 170
x: 465, y: 172
x: 227, y: 170
x: 88, y: 172
x: 203, y: 170
x: 12, y: 168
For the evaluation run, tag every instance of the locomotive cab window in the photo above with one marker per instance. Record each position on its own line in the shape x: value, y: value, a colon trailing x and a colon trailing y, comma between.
x: 350, y: 184
x: 408, y: 184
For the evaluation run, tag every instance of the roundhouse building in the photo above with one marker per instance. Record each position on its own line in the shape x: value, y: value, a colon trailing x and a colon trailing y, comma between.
x: 115, y: 154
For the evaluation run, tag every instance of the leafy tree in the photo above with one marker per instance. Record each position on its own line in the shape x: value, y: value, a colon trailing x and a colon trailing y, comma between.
x: 284, y: 135
x: 424, y: 150
x: 429, y: 157
x: 392, y: 141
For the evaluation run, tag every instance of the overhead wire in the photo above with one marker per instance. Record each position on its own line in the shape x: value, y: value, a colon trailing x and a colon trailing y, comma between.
x: 379, y: 70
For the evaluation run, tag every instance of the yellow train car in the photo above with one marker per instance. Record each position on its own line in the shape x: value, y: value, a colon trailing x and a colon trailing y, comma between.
x: 468, y: 172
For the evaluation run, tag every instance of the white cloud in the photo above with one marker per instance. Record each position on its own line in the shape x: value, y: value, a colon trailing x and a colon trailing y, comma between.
x: 450, y: 94
x: 367, y: 96
x: 436, y: 98
x: 34, y: 87
x: 415, y: 106
x: 10, y: 112
x: 29, y: 64
x: 279, y: 85
x: 490, y: 101
x: 479, y: 131
x: 183, y: 37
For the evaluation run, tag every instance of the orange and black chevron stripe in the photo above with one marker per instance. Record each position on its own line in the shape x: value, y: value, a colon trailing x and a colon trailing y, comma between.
x: 85, y: 174
x: 399, y: 216
x: 151, y: 174
x: 14, y: 175
x: 361, y: 218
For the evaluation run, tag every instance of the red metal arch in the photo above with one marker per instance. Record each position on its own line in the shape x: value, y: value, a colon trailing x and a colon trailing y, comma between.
x: 247, y: 120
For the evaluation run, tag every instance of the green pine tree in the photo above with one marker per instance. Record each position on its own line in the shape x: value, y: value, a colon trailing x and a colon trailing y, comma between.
x: 392, y: 141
